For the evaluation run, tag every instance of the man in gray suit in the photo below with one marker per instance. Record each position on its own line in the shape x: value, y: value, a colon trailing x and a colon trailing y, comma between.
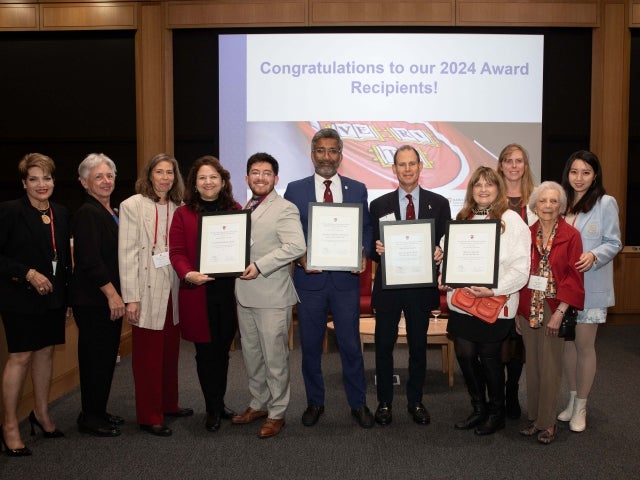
x: 266, y: 295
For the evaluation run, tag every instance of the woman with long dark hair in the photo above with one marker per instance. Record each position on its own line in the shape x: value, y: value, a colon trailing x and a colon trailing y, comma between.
x: 595, y: 215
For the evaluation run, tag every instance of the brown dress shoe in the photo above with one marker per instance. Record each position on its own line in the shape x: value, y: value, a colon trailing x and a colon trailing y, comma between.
x: 271, y: 427
x: 249, y: 415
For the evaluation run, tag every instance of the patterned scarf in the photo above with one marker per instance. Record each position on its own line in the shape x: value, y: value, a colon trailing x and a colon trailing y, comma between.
x: 536, y: 315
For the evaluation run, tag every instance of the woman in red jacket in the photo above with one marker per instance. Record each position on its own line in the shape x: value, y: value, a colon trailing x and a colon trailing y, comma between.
x: 207, y: 305
x: 554, y: 286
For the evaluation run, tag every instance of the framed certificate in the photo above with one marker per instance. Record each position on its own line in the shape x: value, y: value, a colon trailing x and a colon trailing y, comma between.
x: 224, y: 243
x: 407, y: 261
x: 334, y: 236
x: 471, y: 253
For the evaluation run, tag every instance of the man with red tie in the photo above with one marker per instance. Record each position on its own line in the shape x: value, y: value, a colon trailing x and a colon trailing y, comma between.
x: 408, y: 202
x: 334, y: 291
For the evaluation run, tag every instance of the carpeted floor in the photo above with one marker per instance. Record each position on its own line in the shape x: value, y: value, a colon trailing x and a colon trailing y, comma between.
x: 336, y: 447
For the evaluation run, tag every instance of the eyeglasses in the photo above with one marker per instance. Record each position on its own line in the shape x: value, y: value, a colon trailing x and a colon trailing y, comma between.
x: 331, y: 151
x: 256, y: 173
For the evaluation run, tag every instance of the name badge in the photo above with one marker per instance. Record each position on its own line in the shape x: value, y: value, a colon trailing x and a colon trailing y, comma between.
x: 54, y: 265
x: 161, y: 259
x: 538, y: 283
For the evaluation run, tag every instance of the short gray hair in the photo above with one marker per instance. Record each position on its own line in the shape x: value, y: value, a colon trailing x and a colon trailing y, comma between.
x: 548, y: 185
x: 93, y: 160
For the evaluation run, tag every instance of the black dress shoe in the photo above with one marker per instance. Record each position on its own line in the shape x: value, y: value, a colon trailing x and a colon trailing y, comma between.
x: 227, y: 413
x: 159, y: 430
x: 183, y: 412
x: 383, y: 413
x: 212, y: 423
x: 419, y: 413
x: 363, y: 416
x: 311, y: 415
x: 114, y: 419
x: 105, y: 430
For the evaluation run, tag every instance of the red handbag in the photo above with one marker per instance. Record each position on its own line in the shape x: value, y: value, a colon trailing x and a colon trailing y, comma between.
x: 486, y: 309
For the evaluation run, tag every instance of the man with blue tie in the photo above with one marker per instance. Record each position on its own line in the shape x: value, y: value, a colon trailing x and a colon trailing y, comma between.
x: 337, y: 292
x: 408, y: 202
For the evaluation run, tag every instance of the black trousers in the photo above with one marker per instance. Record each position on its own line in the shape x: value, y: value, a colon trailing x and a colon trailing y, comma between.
x: 98, y: 343
x: 212, y: 358
x: 386, y: 334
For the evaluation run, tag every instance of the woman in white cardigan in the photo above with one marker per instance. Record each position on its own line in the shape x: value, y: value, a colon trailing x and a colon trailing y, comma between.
x: 150, y: 291
x: 595, y: 215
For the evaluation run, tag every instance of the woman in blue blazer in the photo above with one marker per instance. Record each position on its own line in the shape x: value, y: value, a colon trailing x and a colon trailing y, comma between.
x: 595, y: 215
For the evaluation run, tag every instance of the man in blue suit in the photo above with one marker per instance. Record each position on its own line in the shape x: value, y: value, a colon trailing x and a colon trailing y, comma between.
x: 408, y: 202
x: 335, y: 291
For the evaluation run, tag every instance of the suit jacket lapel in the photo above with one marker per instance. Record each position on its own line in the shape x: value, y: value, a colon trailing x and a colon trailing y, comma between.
x: 149, y: 217
x: 34, y: 224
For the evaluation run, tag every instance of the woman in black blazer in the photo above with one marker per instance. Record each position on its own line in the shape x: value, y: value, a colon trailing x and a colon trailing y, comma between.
x: 34, y: 273
x: 95, y: 294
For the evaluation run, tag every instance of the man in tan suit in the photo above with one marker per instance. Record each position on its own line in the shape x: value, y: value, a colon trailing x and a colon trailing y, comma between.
x: 266, y: 295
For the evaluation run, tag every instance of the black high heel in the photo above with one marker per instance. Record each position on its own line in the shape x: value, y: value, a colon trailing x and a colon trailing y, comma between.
x: 35, y: 423
x: 13, y: 452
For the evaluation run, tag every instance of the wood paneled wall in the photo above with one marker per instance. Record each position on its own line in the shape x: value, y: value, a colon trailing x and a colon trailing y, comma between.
x: 154, y: 20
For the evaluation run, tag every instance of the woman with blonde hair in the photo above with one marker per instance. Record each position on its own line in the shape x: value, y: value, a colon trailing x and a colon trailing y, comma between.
x: 515, y: 170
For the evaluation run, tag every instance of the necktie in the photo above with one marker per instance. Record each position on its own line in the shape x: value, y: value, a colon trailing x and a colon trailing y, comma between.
x: 411, y: 210
x: 253, y: 203
x: 328, y: 196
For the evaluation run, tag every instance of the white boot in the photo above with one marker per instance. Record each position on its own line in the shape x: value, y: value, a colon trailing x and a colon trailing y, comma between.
x: 567, y: 413
x: 578, y: 421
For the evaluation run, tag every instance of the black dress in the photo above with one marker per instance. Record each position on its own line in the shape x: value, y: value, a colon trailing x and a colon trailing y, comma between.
x: 33, y: 321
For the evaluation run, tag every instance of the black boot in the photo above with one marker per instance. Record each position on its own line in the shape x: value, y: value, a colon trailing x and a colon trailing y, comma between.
x: 477, y: 417
x: 494, y: 422
x: 475, y: 385
x: 514, y: 370
x: 494, y: 376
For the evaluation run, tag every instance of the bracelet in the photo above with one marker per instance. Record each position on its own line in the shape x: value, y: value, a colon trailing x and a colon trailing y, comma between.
x: 30, y: 274
x: 561, y: 311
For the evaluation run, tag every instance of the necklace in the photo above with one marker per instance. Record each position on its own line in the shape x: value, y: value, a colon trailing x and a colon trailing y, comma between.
x: 514, y: 202
x: 481, y: 211
x: 44, y: 214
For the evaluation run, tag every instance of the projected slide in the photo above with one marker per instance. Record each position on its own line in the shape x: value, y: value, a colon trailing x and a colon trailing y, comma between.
x: 458, y: 99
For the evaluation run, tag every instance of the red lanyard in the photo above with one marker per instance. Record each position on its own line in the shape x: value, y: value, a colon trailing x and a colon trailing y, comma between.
x: 155, y: 233
x: 53, y: 236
